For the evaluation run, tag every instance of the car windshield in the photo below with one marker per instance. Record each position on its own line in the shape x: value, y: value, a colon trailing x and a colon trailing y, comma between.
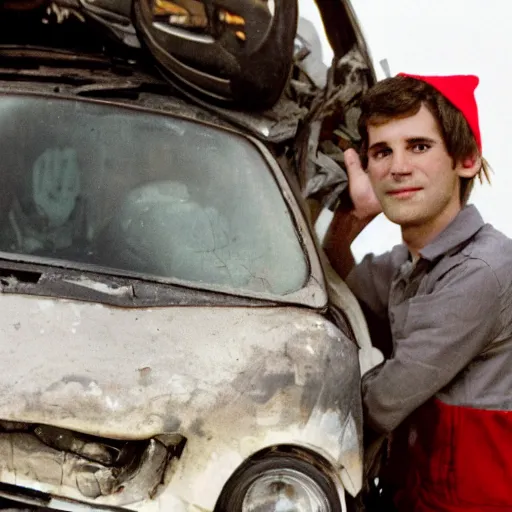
x: 141, y: 192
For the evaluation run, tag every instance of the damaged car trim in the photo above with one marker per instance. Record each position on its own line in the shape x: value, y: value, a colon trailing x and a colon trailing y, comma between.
x: 93, y: 467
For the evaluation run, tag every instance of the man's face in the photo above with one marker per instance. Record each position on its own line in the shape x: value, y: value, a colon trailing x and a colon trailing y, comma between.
x: 411, y: 171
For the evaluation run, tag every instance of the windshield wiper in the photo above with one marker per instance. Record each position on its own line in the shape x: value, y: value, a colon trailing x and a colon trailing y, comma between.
x: 96, y: 285
x: 139, y: 293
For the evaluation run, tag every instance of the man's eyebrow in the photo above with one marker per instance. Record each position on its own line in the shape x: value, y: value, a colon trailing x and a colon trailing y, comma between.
x: 421, y: 140
x: 411, y: 140
x: 378, y: 145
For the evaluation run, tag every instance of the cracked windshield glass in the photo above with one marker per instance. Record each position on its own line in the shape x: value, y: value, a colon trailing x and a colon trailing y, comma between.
x: 147, y: 193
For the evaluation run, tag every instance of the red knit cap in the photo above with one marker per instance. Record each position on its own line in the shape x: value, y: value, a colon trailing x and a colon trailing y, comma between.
x: 460, y: 91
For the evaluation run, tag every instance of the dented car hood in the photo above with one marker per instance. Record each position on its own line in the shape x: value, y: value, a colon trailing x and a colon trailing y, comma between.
x: 232, y: 381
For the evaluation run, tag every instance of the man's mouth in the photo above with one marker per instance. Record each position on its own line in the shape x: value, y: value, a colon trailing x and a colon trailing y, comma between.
x: 403, y: 193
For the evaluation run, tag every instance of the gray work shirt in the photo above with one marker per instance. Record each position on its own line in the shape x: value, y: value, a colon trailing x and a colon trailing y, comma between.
x: 450, y: 316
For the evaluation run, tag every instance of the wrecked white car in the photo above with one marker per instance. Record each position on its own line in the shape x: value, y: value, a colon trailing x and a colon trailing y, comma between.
x: 172, y: 337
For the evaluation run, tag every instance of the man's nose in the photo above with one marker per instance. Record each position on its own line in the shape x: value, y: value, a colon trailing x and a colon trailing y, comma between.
x: 400, y: 165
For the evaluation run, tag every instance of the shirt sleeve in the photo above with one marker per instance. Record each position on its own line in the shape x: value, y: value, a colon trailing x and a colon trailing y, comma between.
x: 444, y: 331
x: 370, y: 281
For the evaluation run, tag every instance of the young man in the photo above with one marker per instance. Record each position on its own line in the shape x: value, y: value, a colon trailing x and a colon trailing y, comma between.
x: 446, y: 294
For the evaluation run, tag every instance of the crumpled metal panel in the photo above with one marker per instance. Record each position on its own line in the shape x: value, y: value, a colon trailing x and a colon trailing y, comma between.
x: 232, y: 381
x: 330, y: 128
x: 24, y: 460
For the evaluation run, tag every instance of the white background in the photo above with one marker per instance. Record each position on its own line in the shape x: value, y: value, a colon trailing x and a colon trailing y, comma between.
x: 445, y: 37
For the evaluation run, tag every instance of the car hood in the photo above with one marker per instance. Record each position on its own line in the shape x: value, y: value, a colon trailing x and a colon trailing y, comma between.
x: 134, y: 373
x: 230, y: 380
x: 128, y: 373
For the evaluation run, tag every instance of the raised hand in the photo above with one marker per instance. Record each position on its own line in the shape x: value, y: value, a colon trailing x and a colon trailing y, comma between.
x: 366, y: 204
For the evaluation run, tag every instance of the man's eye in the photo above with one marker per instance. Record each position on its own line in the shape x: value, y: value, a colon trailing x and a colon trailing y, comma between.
x: 420, y: 148
x: 381, y: 153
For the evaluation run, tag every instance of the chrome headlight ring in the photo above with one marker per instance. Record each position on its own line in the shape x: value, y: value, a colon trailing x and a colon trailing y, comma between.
x: 279, y: 482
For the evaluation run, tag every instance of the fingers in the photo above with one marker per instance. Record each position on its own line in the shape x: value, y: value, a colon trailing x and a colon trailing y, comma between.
x: 366, y: 205
x: 353, y: 162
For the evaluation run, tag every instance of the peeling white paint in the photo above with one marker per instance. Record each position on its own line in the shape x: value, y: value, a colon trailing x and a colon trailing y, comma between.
x: 117, y: 291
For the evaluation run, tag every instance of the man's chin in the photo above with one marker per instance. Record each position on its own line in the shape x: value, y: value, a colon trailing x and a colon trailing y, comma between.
x: 403, y: 218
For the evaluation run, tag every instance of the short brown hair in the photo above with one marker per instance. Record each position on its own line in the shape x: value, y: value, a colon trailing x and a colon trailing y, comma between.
x: 401, y: 96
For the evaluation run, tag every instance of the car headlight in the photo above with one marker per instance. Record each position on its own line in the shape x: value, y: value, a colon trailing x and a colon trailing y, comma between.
x: 279, y: 483
x: 285, y: 490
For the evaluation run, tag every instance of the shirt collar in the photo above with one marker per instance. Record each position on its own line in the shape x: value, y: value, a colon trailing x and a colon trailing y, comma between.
x: 462, y: 228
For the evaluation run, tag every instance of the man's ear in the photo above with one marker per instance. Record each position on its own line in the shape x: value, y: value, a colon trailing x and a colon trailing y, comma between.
x: 468, y: 167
